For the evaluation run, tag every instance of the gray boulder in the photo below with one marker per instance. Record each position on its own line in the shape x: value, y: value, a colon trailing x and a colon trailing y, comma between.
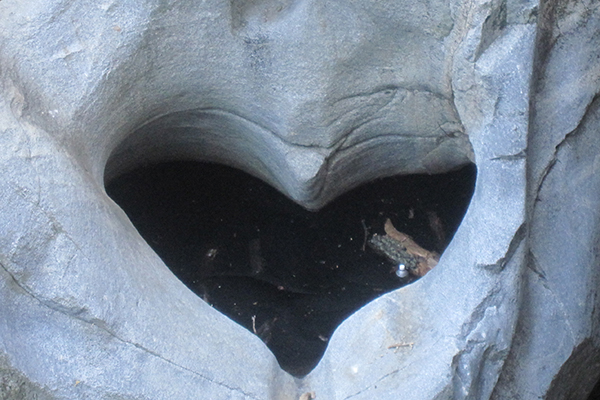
x: 315, y: 98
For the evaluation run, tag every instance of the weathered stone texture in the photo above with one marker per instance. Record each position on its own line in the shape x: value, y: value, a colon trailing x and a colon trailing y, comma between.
x: 314, y: 98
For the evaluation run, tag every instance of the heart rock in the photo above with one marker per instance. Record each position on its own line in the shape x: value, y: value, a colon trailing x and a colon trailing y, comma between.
x: 314, y: 98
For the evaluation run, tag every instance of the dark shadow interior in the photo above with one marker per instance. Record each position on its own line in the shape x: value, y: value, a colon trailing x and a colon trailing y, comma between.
x: 289, y: 275
x: 595, y: 395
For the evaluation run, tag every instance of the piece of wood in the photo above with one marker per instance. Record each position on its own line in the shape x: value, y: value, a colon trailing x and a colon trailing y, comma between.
x: 426, y: 260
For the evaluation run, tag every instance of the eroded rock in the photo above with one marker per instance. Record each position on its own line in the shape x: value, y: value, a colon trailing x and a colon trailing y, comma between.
x: 315, y: 98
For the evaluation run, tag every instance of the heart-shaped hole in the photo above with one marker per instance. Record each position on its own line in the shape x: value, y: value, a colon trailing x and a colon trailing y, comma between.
x: 289, y: 275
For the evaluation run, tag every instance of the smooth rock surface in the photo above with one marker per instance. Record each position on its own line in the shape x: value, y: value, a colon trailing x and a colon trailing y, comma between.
x: 314, y: 98
x: 557, y: 343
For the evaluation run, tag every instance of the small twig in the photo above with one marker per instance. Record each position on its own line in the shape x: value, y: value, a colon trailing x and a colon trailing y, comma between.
x: 254, y: 324
x: 396, y: 346
x: 366, y: 231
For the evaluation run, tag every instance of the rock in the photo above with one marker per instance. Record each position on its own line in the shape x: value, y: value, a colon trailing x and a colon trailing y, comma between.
x: 314, y: 98
x: 556, y: 354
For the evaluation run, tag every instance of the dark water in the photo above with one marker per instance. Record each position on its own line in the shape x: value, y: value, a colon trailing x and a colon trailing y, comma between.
x: 287, y: 274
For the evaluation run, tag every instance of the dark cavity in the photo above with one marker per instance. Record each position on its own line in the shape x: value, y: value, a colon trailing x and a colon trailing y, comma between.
x: 288, y: 275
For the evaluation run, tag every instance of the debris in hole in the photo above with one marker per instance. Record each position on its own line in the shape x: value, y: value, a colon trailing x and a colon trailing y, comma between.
x: 212, y: 253
x: 256, y: 260
x: 401, y: 249
x: 249, y: 252
x: 436, y: 225
x: 402, y: 272
x: 323, y: 338
x: 366, y: 232
x: 395, y: 251
x: 426, y: 260
x: 207, y: 260
x: 265, y: 331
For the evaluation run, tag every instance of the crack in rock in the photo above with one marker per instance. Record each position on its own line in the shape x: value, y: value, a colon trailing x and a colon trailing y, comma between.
x: 514, y: 244
x: 80, y: 315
